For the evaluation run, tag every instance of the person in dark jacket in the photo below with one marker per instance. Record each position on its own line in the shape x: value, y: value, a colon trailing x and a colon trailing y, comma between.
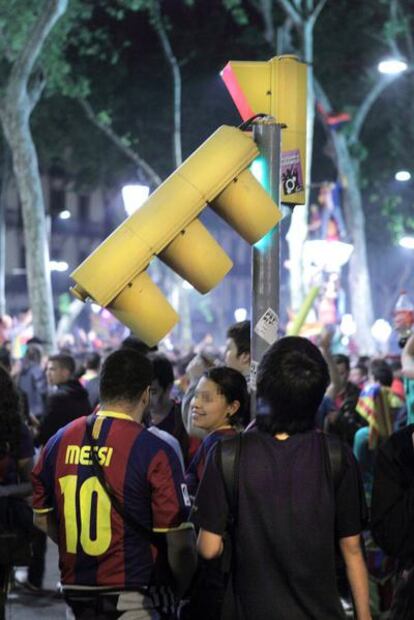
x: 32, y: 381
x: 67, y: 401
x: 392, y: 514
x: 290, y: 516
x: 165, y: 413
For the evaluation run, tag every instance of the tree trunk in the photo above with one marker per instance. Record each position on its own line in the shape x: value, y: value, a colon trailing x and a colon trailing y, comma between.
x: 359, y: 280
x: 23, y: 89
x: 16, y: 127
x: 6, y: 174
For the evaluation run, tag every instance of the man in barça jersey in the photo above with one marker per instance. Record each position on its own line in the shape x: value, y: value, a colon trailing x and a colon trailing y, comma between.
x: 109, y: 568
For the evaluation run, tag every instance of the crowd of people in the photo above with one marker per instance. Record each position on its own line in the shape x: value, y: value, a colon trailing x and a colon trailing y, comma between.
x: 167, y: 499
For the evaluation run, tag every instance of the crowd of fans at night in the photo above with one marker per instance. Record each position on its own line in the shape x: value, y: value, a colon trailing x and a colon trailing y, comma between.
x: 168, y: 500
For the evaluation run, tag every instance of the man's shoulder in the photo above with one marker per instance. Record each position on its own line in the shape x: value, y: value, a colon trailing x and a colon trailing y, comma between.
x: 156, y: 440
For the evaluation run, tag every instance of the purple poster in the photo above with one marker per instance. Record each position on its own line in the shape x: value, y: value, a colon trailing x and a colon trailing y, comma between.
x: 291, y: 172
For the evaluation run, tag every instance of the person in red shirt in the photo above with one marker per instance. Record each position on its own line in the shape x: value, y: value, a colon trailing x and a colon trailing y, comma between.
x: 114, y: 559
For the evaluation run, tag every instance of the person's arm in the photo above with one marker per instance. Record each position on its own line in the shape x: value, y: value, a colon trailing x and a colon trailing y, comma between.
x: 170, y: 505
x: 210, y: 511
x: 392, y: 509
x: 182, y: 556
x: 46, y: 522
x: 43, y: 479
x: 357, y: 574
x: 209, y: 545
x: 407, y: 358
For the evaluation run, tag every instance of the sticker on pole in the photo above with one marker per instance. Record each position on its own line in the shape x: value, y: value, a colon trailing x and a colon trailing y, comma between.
x: 253, y: 375
x: 291, y: 172
x: 267, y: 326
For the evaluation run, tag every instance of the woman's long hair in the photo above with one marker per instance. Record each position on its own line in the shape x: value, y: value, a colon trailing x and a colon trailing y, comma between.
x: 10, y: 419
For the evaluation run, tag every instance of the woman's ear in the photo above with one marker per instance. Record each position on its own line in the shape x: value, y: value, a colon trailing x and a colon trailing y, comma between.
x: 233, y: 407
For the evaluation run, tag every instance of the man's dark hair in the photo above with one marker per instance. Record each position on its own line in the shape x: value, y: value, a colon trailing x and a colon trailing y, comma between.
x: 381, y: 372
x: 125, y: 375
x: 240, y: 333
x: 33, y: 354
x: 291, y: 382
x: 63, y: 360
x: 363, y: 368
x: 93, y: 361
x: 340, y: 358
x: 132, y: 342
x: 163, y: 370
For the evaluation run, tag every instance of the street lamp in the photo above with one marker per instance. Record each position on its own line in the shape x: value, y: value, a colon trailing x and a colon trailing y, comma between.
x: 65, y: 215
x: 134, y: 197
x: 392, y: 66
x: 327, y: 255
x: 407, y: 242
x: 240, y: 314
x: 58, y: 265
x: 402, y: 176
x: 381, y: 331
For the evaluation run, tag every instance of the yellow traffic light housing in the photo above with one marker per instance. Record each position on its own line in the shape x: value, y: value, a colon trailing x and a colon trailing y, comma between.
x: 114, y: 275
x: 278, y: 88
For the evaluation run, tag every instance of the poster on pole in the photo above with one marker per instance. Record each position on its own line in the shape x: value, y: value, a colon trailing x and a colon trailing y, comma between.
x: 291, y: 172
x: 267, y: 326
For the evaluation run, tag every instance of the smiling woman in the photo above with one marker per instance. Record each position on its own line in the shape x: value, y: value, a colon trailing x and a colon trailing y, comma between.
x: 218, y: 403
x: 210, y: 409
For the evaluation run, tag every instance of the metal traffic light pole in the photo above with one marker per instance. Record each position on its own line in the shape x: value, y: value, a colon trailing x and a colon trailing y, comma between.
x: 265, y: 263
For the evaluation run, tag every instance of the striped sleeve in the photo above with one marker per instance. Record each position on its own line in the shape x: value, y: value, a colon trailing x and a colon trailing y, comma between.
x: 170, y: 501
x: 43, y: 482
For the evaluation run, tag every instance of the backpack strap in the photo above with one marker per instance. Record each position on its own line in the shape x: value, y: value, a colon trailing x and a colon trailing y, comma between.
x: 228, y: 455
x: 336, y: 456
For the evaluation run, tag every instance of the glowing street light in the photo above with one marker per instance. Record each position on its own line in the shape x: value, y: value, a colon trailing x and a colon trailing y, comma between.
x: 402, y: 176
x: 134, y: 197
x: 407, y: 242
x: 348, y: 325
x: 240, y: 314
x: 327, y: 255
x: 65, y: 215
x: 381, y: 330
x: 58, y: 265
x: 392, y: 66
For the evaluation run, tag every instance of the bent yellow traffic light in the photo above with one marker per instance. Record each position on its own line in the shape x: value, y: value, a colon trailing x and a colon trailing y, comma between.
x: 278, y: 88
x: 114, y: 275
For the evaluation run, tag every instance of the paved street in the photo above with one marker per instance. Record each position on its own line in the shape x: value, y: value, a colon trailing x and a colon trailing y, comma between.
x: 23, y: 605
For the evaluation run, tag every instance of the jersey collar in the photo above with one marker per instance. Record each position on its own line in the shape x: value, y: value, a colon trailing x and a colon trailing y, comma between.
x: 114, y: 414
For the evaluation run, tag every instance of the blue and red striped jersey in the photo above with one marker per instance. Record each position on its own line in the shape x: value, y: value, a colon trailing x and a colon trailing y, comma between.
x: 196, y: 468
x: 97, y: 548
